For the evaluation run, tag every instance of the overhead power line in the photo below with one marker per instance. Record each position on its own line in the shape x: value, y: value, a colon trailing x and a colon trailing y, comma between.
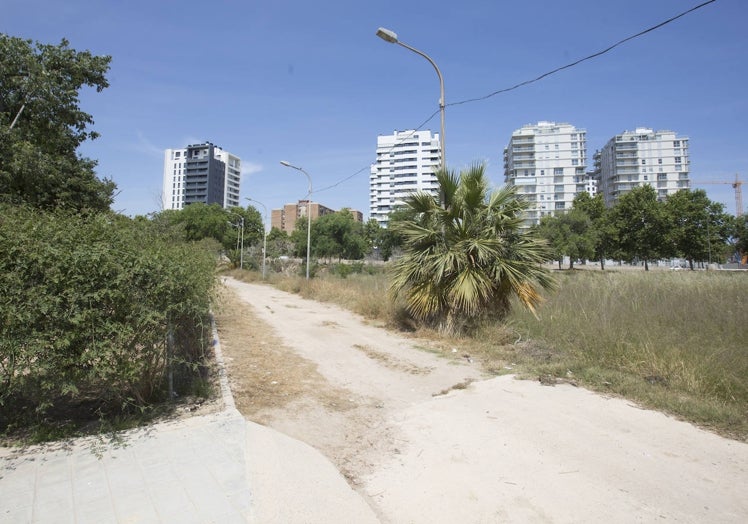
x: 537, y: 79
x: 577, y: 62
x: 402, y: 139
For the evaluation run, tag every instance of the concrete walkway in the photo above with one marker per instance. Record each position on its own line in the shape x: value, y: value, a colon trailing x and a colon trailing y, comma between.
x: 213, y: 468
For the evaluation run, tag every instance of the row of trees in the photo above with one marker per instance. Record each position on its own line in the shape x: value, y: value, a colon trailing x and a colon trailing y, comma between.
x: 639, y: 228
x: 335, y: 236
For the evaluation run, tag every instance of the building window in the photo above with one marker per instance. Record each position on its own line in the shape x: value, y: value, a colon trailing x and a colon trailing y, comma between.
x: 677, y: 160
x: 574, y: 162
x: 558, y: 170
x: 676, y: 143
x: 659, y: 161
x: 644, y: 162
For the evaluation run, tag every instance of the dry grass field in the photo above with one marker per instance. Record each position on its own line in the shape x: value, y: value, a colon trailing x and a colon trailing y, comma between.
x: 673, y: 341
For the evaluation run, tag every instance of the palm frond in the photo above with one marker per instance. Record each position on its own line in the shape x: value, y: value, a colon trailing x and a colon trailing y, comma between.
x: 464, y: 255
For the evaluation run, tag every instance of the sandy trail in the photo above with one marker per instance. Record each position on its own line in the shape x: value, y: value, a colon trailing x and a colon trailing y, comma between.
x: 499, y: 450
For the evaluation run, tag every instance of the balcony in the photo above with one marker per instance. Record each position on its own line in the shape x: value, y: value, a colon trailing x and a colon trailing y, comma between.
x: 523, y: 156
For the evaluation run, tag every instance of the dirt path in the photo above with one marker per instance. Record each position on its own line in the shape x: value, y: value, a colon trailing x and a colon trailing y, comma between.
x: 428, y: 439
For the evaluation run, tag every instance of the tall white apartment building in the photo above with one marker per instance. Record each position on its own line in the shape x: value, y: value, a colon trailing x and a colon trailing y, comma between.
x: 644, y: 156
x: 406, y: 162
x: 200, y: 173
x: 547, y: 162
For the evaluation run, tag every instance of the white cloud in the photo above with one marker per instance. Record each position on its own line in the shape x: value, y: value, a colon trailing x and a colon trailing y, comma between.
x: 250, y: 168
x: 146, y: 147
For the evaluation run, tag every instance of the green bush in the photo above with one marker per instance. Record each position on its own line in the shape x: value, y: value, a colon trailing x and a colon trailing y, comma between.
x: 342, y: 270
x: 86, y: 307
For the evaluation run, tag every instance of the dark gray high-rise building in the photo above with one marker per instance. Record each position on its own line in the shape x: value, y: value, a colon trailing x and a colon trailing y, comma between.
x: 200, y: 173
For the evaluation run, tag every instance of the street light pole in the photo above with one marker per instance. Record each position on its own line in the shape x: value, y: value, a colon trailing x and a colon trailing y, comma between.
x: 391, y: 36
x: 265, y: 235
x: 308, y: 214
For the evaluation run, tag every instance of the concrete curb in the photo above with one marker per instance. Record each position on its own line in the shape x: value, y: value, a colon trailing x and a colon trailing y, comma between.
x: 223, y: 379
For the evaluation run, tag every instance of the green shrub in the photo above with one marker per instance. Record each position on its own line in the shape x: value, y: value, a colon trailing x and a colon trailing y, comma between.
x: 86, y: 307
x: 342, y: 270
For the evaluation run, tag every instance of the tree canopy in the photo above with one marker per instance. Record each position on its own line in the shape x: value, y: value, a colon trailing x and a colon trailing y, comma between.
x: 198, y: 221
x: 740, y: 234
x: 569, y: 234
x: 42, y: 126
x: 641, y: 224
x: 698, y: 228
x: 335, y: 235
x: 641, y: 228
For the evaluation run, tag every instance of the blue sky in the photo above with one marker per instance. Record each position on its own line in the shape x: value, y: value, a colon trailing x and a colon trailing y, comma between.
x: 310, y: 83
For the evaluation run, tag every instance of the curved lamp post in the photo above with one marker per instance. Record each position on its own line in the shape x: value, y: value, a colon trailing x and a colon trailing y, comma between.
x: 391, y: 36
x: 308, y: 213
x: 265, y: 236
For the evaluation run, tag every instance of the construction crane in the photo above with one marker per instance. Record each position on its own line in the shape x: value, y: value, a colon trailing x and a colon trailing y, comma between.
x: 737, y: 186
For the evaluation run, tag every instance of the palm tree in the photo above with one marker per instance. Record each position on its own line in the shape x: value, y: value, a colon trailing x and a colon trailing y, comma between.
x: 464, y: 257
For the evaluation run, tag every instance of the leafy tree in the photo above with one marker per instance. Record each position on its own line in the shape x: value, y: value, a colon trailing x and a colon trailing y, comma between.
x: 389, y: 239
x: 463, y: 254
x: 372, y: 233
x: 641, y: 224
x: 740, y: 235
x: 568, y: 234
x: 279, y: 243
x: 298, y: 237
x: 199, y: 221
x: 698, y: 227
x: 549, y: 229
x: 601, y: 233
x: 42, y: 126
x: 339, y: 235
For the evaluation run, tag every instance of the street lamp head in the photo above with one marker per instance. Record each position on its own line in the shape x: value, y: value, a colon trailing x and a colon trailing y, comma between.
x: 287, y: 164
x: 387, y: 35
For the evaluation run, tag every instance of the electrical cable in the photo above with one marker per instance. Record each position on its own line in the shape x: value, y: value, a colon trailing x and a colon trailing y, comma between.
x: 577, y: 62
x: 528, y: 82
